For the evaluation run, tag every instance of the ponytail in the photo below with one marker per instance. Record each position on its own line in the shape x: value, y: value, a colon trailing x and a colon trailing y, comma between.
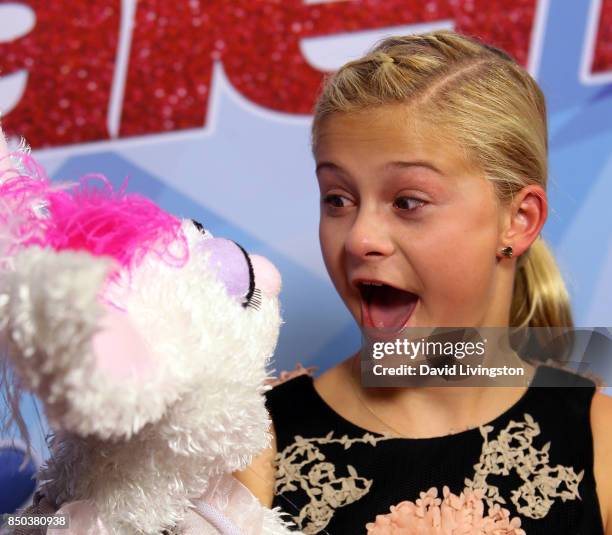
x: 540, y: 297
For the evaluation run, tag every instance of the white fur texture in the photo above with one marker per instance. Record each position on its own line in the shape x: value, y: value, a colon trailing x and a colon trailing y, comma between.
x: 140, y: 450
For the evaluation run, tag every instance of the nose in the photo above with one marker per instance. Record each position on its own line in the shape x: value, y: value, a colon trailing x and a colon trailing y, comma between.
x: 368, y: 236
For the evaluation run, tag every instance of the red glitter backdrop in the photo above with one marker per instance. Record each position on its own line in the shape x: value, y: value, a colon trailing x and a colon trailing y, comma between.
x: 71, y: 52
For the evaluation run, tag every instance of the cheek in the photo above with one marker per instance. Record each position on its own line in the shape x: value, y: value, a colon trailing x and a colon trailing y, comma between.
x: 457, y: 273
x: 330, y: 240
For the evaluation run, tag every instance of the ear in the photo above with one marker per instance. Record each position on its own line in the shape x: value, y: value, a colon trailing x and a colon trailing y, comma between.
x: 86, y: 361
x: 524, y: 218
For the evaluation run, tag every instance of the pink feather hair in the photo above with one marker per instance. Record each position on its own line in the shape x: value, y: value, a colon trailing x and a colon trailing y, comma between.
x: 22, y: 191
x: 90, y: 216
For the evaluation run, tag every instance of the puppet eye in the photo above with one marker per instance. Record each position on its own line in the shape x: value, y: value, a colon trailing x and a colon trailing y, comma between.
x: 199, y: 226
x: 255, y: 300
x: 233, y: 267
x: 253, y: 296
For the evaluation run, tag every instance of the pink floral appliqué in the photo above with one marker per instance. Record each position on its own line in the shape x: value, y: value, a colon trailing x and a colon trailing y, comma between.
x: 286, y: 375
x: 450, y: 515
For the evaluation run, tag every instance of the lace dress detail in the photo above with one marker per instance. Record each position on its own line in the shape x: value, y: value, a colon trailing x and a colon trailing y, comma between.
x: 302, y: 465
x: 513, y: 450
x: 535, y: 460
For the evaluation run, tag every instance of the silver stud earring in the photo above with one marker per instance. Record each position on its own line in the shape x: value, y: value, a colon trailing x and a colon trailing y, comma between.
x: 507, y: 251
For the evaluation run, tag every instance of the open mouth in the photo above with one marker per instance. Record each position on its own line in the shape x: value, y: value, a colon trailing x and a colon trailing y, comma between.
x: 386, y: 307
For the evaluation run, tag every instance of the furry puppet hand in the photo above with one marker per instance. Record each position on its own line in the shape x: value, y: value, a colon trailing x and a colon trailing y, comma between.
x: 146, y: 340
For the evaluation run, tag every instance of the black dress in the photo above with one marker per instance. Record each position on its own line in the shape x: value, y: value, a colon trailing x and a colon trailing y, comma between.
x: 535, y: 459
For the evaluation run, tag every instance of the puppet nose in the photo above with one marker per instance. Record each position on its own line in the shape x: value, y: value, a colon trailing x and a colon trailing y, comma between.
x: 267, y: 277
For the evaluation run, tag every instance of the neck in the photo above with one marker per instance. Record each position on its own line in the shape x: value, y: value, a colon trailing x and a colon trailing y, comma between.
x: 423, y: 412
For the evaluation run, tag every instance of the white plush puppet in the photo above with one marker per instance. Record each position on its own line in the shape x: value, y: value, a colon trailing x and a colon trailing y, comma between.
x: 146, y: 340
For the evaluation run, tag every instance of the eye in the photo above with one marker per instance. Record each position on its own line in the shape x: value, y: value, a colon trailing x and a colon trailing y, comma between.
x: 409, y: 204
x: 334, y: 200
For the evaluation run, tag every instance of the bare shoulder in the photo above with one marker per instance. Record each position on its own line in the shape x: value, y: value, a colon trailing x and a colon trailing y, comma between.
x: 601, y: 418
x: 259, y: 476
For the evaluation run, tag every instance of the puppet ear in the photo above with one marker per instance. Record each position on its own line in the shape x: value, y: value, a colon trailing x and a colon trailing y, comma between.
x: 86, y: 361
x: 119, y: 350
x: 5, y: 162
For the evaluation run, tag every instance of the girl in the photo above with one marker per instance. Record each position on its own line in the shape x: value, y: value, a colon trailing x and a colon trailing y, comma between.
x: 431, y: 157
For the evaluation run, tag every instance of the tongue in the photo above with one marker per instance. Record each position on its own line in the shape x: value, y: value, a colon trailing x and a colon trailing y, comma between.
x: 388, y: 307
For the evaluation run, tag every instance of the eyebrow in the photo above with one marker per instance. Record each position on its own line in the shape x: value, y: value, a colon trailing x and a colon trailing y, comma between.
x: 390, y: 165
x: 418, y: 163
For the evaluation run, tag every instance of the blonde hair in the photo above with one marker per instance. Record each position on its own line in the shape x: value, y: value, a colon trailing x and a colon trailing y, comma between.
x: 492, y: 107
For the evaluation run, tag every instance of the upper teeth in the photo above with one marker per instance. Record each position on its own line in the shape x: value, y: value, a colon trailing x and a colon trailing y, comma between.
x: 372, y: 283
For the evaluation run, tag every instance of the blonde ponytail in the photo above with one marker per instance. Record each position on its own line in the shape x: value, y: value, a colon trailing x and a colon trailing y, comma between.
x: 540, y: 298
